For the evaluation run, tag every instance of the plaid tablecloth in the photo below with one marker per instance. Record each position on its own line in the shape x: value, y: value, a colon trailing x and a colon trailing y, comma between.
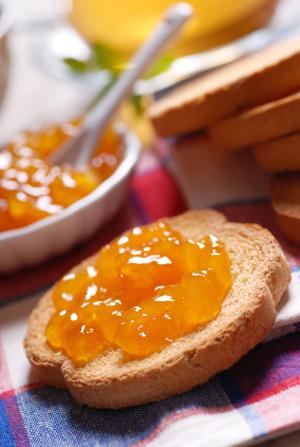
x: 257, y: 398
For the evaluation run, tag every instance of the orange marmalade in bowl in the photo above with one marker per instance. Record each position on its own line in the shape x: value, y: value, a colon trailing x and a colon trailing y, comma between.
x: 141, y: 292
x: 31, y: 188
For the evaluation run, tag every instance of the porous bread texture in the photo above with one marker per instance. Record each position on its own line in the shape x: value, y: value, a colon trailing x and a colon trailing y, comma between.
x: 262, y: 77
x: 261, y: 276
x: 257, y: 125
x: 282, y: 154
x: 285, y: 196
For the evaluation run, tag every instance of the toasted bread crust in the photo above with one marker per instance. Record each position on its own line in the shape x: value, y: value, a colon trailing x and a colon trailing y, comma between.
x: 241, y: 85
x: 248, y: 313
x: 285, y: 197
x: 258, y: 125
x: 282, y: 154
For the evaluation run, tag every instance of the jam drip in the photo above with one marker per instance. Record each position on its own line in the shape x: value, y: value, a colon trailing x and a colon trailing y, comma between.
x: 144, y: 290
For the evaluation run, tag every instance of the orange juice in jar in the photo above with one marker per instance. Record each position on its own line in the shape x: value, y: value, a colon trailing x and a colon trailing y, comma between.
x: 124, y: 25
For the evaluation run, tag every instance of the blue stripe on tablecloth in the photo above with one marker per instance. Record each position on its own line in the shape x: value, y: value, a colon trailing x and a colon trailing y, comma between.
x: 238, y: 400
x: 53, y: 418
x: 6, y: 437
x: 138, y: 207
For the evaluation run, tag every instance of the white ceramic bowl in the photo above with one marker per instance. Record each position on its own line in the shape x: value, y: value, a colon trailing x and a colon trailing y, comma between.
x: 56, y: 234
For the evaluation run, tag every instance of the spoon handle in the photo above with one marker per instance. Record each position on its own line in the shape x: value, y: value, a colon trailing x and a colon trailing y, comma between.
x: 97, y: 119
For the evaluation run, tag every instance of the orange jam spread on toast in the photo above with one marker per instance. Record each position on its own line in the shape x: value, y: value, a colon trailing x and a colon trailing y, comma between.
x: 140, y: 293
x: 31, y: 188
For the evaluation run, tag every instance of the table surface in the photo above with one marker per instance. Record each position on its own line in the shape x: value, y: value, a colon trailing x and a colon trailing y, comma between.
x: 35, y: 98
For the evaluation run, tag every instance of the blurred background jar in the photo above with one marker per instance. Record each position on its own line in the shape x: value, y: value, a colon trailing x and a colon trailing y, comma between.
x: 124, y: 24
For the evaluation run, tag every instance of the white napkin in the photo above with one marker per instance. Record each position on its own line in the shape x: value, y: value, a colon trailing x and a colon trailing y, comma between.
x: 210, y: 178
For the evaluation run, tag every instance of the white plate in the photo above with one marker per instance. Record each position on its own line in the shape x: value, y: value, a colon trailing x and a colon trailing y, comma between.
x: 56, y: 234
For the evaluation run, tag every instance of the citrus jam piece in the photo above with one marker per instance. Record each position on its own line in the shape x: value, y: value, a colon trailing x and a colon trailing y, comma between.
x: 31, y: 188
x: 143, y: 290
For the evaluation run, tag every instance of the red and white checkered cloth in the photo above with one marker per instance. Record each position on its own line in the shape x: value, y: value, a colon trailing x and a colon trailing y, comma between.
x: 257, y: 398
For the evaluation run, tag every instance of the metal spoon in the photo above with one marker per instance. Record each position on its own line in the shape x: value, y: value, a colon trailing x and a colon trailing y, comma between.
x: 78, y: 150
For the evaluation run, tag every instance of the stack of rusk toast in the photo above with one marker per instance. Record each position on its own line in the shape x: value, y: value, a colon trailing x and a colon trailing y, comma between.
x: 252, y: 103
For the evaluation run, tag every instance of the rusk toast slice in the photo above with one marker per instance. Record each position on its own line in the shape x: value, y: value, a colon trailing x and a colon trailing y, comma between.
x: 258, y: 125
x: 285, y: 195
x: 261, y: 276
x: 282, y: 154
x: 263, y: 77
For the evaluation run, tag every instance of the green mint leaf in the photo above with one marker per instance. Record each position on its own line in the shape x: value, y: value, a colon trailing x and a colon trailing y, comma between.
x: 137, y: 104
x: 108, y: 59
x: 160, y: 66
x: 76, y: 65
